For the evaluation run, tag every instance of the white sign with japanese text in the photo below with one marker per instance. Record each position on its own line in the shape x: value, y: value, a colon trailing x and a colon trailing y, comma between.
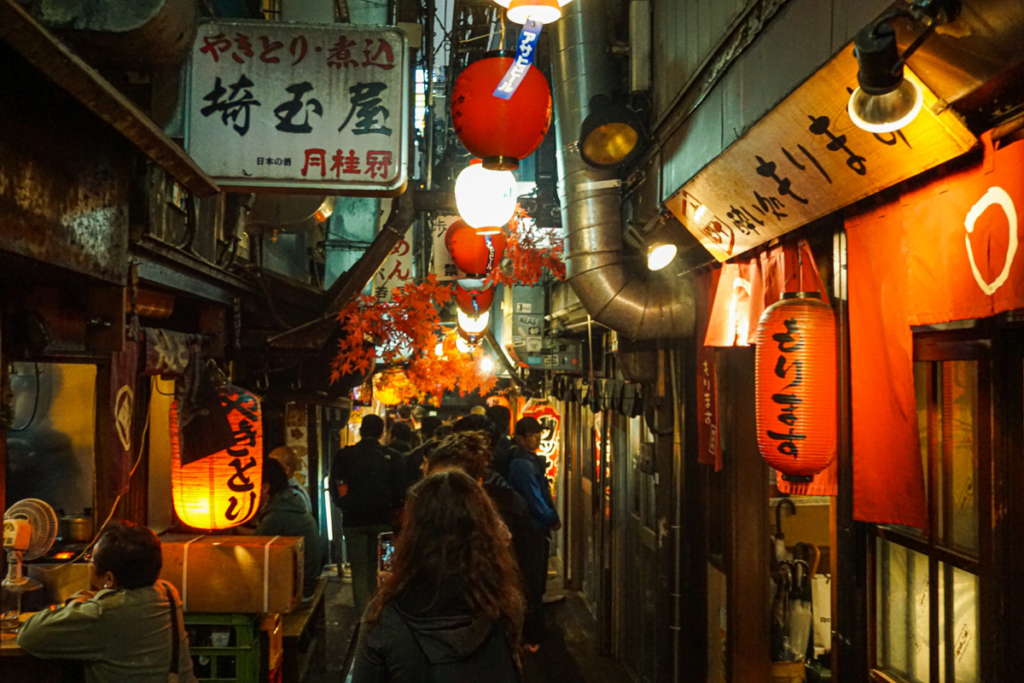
x: 445, y: 269
x: 300, y: 106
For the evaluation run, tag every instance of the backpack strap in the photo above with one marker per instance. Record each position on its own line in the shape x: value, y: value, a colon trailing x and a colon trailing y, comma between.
x: 175, y: 632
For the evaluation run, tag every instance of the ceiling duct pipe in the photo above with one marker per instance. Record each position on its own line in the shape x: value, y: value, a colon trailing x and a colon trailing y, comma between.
x: 658, y: 307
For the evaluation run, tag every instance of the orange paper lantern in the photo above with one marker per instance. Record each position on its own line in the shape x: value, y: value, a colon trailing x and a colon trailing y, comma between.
x: 474, y: 254
x: 473, y: 301
x: 222, y: 490
x: 795, y: 380
x: 500, y: 132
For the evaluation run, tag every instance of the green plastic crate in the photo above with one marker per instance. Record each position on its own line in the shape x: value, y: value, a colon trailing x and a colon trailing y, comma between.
x: 224, y: 647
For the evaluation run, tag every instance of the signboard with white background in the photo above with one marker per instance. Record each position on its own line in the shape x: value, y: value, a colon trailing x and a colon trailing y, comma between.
x: 311, y: 106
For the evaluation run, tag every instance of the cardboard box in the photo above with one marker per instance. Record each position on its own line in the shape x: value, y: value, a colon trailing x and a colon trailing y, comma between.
x: 235, y: 574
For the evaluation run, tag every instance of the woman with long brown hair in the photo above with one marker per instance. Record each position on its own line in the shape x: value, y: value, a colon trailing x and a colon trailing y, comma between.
x: 452, y: 607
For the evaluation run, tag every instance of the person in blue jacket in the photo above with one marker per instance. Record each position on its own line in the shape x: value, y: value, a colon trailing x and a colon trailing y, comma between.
x: 526, y: 474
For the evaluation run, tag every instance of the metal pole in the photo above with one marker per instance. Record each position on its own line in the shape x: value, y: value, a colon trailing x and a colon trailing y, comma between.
x: 678, y: 425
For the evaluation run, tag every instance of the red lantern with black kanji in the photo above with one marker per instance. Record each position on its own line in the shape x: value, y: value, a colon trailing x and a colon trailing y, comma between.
x: 473, y: 301
x: 474, y: 254
x: 795, y: 383
x: 221, y: 490
x: 500, y: 132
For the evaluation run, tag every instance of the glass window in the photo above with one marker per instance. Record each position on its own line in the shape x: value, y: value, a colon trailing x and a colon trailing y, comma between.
x: 927, y: 587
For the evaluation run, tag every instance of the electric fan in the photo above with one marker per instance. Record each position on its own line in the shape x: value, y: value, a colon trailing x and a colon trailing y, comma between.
x: 30, y: 528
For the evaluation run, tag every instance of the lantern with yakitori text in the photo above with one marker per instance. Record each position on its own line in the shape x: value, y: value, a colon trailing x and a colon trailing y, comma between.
x: 500, y: 132
x: 474, y: 254
x: 221, y: 490
x: 795, y: 385
x: 473, y: 301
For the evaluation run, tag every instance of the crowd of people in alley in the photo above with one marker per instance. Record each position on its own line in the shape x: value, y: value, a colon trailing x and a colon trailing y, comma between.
x: 462, y: 599
x: 471, y: 512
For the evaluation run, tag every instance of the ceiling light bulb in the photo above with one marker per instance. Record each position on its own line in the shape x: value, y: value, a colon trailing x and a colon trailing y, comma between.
x: 886, y: 113
x: 486, y: 365
x: 474, y: 326
x: 486, y: 199
x: 660, y: 255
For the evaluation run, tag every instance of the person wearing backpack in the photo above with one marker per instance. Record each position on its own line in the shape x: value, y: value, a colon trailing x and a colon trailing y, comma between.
x: 368, y: 486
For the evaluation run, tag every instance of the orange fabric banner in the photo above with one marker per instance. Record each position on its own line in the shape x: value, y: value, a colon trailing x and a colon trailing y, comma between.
x: 963, y: 257
x: 888, y: 479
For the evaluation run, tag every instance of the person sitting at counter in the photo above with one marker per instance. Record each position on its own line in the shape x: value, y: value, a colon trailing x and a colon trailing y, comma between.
x: 285, y: 514
x: 131, y: 629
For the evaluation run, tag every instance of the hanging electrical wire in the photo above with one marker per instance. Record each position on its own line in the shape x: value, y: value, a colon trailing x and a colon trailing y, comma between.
x: 35, y: 404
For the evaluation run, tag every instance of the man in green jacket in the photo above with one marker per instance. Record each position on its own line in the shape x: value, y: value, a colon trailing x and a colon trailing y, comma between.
x: 126, y: 631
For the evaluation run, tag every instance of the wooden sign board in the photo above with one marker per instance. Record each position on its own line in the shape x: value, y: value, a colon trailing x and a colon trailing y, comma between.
x: 807, y: 159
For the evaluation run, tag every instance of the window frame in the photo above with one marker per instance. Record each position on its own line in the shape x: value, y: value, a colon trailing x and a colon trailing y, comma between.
x: 936, y: 348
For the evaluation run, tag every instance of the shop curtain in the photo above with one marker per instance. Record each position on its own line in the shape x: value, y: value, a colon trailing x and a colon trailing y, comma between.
x: 888, y: 479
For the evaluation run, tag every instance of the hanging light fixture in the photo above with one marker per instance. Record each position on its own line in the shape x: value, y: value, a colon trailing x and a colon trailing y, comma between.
x: 472, y: 301
x: 486, y: 199
x: 221, y: 490
x: 885, y: 100
x: 471, y: 325
x: 462, y: 345
x: 795, y: 385
x: 611, y: 135
x: 486, y: 365
x: 660, y: 255
x: 543, y: 11
x: 498, y: 131
x: 474, y: 254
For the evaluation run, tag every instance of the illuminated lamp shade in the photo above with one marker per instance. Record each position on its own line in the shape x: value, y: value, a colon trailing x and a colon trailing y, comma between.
x: 475, y: 255
x: 474, y: 301
x: 885, y: 100
x: 474, y: 325
x: 464, y: 346
x: 486, y: 199
x: 660, y: 255
x: 222, y: 490
x: 392, y: 387
x: 795, y: 385
x: 544, y: 11
x: 500, y: 132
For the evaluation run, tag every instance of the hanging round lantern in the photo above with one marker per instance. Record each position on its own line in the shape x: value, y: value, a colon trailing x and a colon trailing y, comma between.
x: 544, y: 11
x: 392, y: 387
x: 486, y: 199
x: 221, y: 490
x: 500, y: 132
x: 474, y: 301
x: 476, y: 255
x: 795, y: 385
x: 474, y: 325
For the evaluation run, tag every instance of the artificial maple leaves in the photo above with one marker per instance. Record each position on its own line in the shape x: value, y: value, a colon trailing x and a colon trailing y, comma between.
x: 527, y: 254
x: 404, y: 330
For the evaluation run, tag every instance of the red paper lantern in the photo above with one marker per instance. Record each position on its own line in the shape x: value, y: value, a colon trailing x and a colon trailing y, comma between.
x: 473, y: 301
x: 474, y: 254
x: 795, y: 380
x: 222, y: 490
x: 500, y: 132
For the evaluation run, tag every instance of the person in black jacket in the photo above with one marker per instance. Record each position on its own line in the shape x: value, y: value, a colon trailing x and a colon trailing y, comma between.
x: 414, y: 462
x: 501, y: 417
x: 367, y: 484
x: 451, y: 609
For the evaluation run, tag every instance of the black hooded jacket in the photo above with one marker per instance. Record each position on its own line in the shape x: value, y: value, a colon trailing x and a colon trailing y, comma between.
x: 433, y: 635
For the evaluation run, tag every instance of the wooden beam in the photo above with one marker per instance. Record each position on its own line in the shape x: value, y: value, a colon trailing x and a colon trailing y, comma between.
x: 48, y: 54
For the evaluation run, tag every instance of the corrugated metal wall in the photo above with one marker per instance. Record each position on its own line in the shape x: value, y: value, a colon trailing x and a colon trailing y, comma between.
x: 798, y: 40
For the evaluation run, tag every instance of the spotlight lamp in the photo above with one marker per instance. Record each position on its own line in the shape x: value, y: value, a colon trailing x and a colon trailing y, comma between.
x: 885, y: 100
x: 611, y: 135
x: 660, y: 255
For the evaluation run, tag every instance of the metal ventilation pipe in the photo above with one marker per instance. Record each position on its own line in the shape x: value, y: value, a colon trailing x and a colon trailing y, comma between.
x: 660, y: 306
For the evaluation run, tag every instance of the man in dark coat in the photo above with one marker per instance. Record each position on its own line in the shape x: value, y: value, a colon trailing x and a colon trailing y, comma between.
x: 501, y: 417
x: 527, y: 475
x: 367, y: 484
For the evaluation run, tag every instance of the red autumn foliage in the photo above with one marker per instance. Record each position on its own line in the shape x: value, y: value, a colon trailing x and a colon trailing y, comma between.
x: 404, y: 330
x: 526, y: 256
